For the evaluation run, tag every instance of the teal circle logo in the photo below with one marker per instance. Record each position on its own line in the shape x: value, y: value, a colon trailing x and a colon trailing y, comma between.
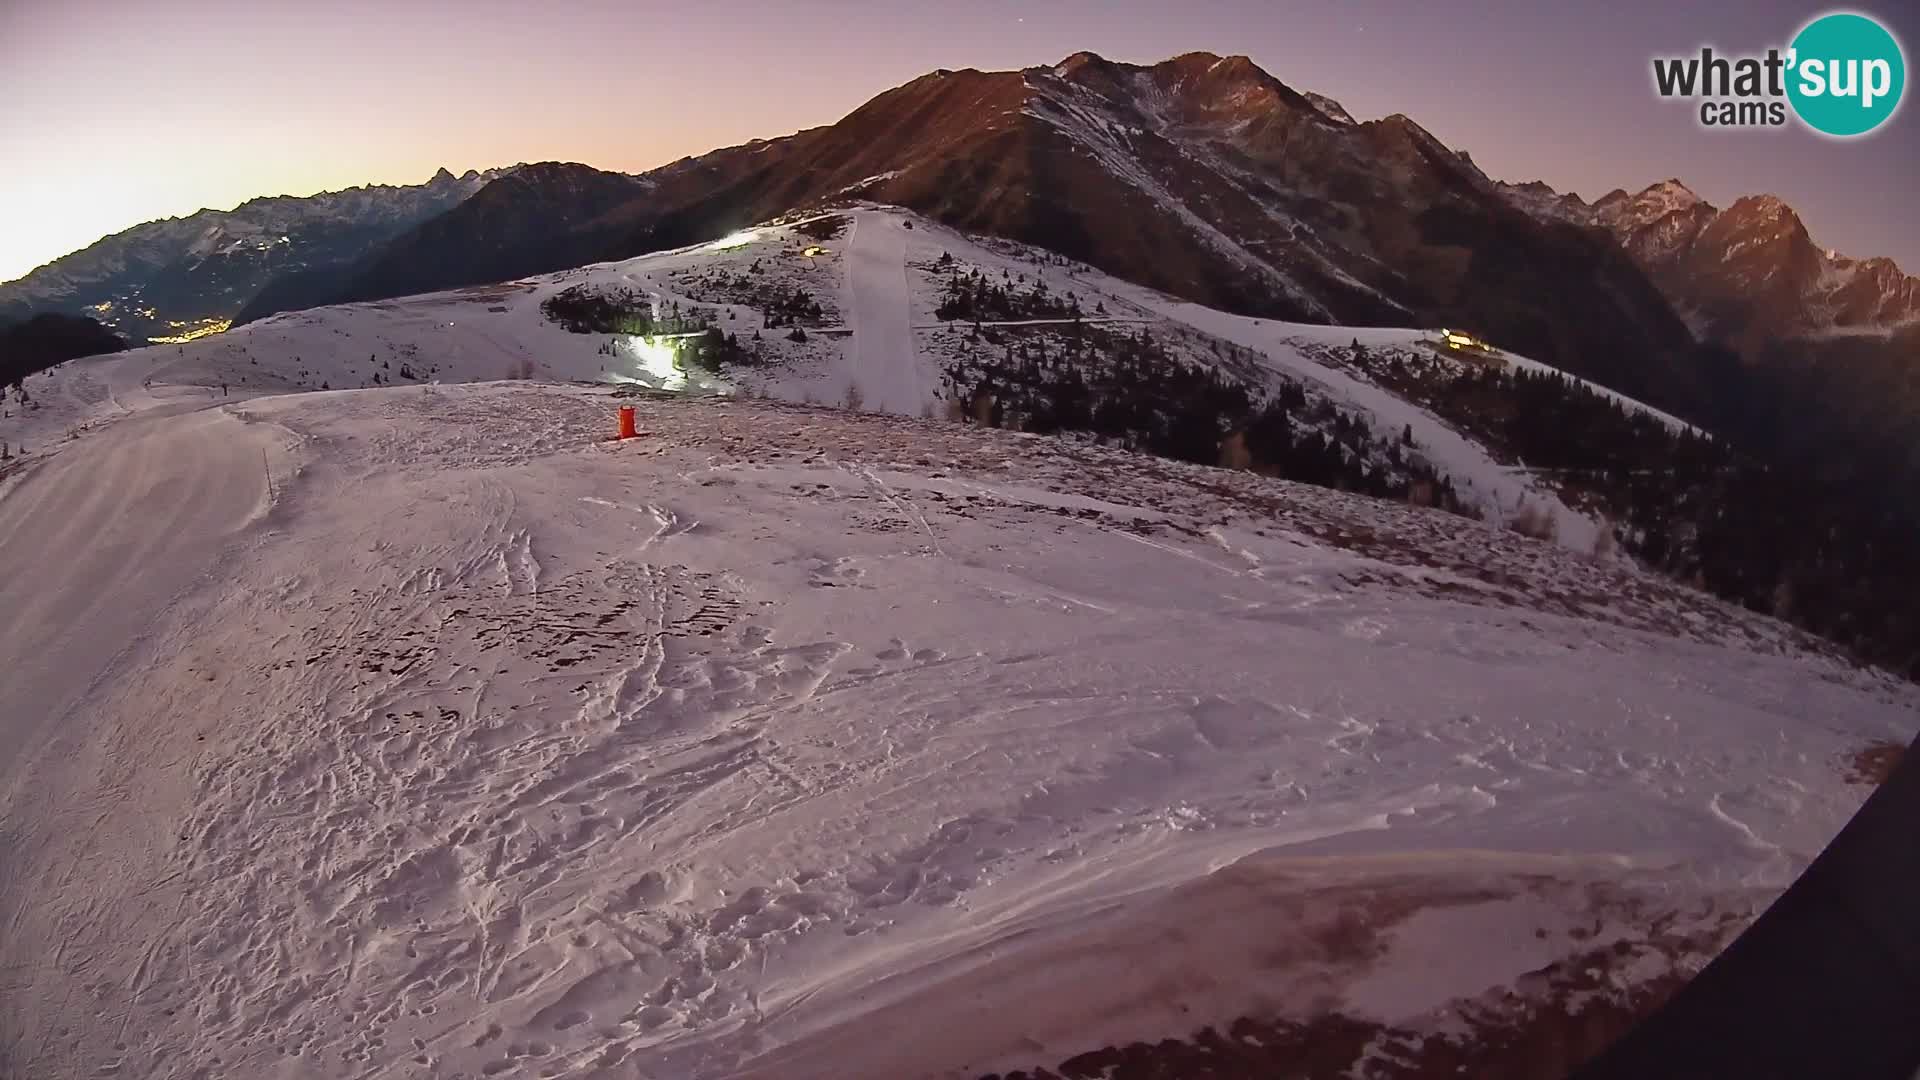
x: 1847, y: 74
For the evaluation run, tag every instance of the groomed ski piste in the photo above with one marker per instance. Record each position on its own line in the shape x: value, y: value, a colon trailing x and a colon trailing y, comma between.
x: 420, y: 731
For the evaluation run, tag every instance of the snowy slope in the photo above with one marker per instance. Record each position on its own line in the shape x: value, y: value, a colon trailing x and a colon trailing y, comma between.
x: 486, y: 747
x: 885, y: 360
x: 881, y: 346
x: 1500, y: 491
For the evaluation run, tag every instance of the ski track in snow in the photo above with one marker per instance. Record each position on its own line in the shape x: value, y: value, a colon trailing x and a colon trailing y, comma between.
x: 487, y: 748
x: 886, y: 363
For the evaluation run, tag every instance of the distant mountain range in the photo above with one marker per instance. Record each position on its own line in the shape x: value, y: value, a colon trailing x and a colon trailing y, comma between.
x: 1748, y: 274
x: 523, y: 221
x: 1203, y: 176
x: 181, y: 275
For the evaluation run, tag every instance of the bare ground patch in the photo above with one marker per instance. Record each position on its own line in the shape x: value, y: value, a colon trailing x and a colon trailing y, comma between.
x: 1873, y: 764
x: 1544, y: 1026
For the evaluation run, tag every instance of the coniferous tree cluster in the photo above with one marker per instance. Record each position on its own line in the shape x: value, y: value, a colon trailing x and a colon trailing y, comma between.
x: 824, y: 228
x: 1128, y: 389
x: 588, y: 310
x: 797, y: 308
x: 721, y: 285
x: 1797, y: 507
x: 780, y: 305
x: 1815, y: 518
x: 975, y: 297
x: 717, y: 350
x: 584, y: 309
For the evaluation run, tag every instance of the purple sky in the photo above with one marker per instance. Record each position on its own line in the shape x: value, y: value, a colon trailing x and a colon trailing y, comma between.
x: 119, y: 111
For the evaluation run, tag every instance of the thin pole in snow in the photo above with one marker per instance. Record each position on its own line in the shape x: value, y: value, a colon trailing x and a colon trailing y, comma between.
x: 268, y: 469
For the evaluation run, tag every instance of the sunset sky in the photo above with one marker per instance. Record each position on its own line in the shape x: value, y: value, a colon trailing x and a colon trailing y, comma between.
x: 121, y: 111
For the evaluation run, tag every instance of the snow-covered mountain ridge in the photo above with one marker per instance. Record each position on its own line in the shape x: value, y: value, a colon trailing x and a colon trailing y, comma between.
x: 1749, y: 273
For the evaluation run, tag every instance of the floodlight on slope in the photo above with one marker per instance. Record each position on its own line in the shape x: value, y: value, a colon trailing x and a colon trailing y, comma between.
x: 660, y: 360
x: 735, y: 240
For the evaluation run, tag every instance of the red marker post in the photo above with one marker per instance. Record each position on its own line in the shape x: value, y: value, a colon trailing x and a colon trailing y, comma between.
x: 626, y: 422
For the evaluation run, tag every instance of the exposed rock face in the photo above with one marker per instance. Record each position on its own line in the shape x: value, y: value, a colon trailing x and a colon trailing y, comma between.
x: 1748, y: 274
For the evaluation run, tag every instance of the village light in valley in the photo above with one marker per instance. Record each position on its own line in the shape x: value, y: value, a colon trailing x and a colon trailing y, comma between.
x: 190, y: 332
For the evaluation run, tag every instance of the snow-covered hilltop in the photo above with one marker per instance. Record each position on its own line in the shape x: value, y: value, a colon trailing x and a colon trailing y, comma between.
x: 871, y: 283
x: 417, y: 729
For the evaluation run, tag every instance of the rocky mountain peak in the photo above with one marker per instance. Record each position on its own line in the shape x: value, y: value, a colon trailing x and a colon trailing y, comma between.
x: 1659, y: 219
x: 1206, y: 63
x: 1080, y: 61
x: 1672, y: 192
x: 1763, y: 208
x: 1331, y: 109
x: 1751, y: 273
x: 1612, y: 199
x: 1759, y: 221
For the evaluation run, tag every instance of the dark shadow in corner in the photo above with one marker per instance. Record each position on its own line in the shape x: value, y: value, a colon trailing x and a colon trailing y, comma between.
x: 1826, y: 983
